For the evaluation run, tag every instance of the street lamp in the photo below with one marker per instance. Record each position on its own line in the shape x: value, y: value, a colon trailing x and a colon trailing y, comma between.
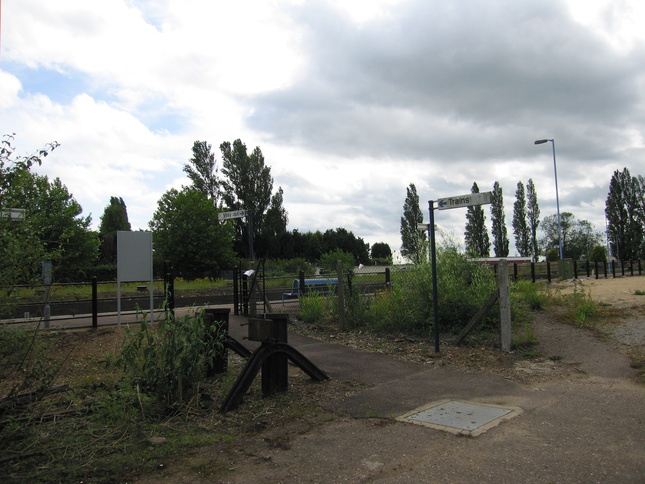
x: 557, y: 198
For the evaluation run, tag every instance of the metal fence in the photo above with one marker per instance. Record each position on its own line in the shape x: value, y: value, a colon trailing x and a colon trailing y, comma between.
x: 371, y: 295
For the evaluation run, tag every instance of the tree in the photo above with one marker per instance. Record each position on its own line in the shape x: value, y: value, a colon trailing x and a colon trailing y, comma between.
x: 533, y: 218
x: 187, y: 233
x: 274, y: 235
x: 346, y: 241
x: 414, y: 242
x: 520, y: 226
x: 202, y: 170
x: 114, y: 219
x: 381, y: 253
x: 500, y: 235
x: 476, y: 234
x: 21, y: 250
x: 248, y: 186
x: 578, y: 236
x: 625, y: 215
x: 329, y: 261
x: 55, y: 217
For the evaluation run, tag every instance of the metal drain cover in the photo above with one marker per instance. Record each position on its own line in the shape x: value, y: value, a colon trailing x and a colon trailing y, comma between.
x: 465, y: 418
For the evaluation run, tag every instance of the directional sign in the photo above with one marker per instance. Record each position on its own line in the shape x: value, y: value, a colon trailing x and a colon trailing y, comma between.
x: 230, y: 215
x: 13, y: 213
x: 464, y: 200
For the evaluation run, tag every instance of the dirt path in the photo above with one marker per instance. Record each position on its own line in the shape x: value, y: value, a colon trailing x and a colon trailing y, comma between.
x: 585, y: 424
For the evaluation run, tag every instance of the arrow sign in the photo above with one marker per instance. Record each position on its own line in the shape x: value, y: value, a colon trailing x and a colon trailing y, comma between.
x: 230, y: 215
x: 464, y: 200
x: 13, y: 213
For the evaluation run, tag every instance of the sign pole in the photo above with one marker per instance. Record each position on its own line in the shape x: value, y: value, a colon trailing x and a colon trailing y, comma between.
x: 433, y: 261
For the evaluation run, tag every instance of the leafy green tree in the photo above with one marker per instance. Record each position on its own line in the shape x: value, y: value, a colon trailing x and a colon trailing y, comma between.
x: 329, y: 260
x: 275, y: 235
x: 625, y: 216
x: 21, y: 250
x: 476, y: 234
x: 56, y: 219
x: 520, y: 226
x: 248, y: 185
x: 578, y: 236
x: 500, y: 234
x: 414, y: 242
x: 187, y: 233
x: 342, y: 239
x: 533, y: 218
x: 381, y: 252
x: 114, y: 219
x: 202, y: 170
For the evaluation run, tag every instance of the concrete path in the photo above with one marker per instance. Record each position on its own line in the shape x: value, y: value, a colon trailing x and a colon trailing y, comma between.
x: 587, y: 428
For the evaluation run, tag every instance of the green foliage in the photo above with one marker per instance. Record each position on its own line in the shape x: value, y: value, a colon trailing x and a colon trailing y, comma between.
x: 186, y: 232
x: 529, y: 294
x: 598, y: 254
x: 202, y: 170
x: 345, y: 241
x: 500, y: 234
x: 381, y: 253
x: 114, y: 218
x: 414, y: 242
x: 476, y: 234
x: 578, y: 236
x: 329, y: 261
x: 170, y: 362
x: 533, y: 217
x: 520, y: 225
x: 314, y: 308
x: 625, y: 213
x: 279, y: 267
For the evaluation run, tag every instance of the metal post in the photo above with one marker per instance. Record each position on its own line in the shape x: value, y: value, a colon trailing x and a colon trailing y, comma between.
x: 95, y: 311
x: 433, y: 261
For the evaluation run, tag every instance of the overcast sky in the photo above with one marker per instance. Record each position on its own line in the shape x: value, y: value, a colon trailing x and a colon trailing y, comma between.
x: 350, y: 101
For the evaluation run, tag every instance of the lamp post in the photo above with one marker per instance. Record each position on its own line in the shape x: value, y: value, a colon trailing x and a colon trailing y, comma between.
x: 557, y: 198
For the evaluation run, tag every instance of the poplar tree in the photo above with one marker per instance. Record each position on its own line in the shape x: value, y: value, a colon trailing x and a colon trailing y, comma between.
x: 533, y: 218
x: 476, y: 234
x: 414, y: 242
x: 624, y: 212
x: 500, y: 234
x: 520, y: 226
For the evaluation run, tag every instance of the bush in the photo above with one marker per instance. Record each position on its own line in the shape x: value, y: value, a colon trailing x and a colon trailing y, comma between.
x: 170, y: 362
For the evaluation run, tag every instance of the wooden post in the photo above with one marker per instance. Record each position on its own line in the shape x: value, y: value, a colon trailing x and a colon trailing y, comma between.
x: 341, y: 296
x: 504, y: 305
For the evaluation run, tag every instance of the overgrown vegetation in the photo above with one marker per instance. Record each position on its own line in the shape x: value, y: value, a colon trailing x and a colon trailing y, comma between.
x: 170, y: 362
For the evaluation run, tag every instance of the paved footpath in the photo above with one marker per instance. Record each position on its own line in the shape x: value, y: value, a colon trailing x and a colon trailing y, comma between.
x: 586, y: 428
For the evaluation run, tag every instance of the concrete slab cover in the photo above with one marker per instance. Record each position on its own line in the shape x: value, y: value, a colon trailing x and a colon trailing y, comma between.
x: 459, y: 417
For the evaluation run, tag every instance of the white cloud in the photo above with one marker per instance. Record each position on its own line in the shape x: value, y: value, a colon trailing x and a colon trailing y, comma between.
x: 349, y: 101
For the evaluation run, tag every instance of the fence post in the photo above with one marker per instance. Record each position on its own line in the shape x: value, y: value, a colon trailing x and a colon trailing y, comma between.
x: 341, y: 296
x: 504, y: 305
x: 596, y: 268
x: 533, y: 272
x: 302, y: 289
x: 388, y: 278
x: 588, y: 268
x: 575, y: 269
x: 95, y: 309
x: 548, y: 271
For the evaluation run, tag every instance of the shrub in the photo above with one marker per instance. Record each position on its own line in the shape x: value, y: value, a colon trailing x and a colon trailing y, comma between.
x: 170, y: 362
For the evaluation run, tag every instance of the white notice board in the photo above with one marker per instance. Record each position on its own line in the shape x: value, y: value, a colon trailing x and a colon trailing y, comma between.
x: 133, y: 262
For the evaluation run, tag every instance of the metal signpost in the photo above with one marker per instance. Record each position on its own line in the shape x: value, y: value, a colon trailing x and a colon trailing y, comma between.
x: 240, y: 214
x: 444, y: 204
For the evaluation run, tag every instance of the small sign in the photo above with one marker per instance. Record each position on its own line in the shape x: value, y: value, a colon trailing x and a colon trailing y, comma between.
x: 230, y: 215
x: 464, y: 200
x: 13, y: 213
x: 423, y: 226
